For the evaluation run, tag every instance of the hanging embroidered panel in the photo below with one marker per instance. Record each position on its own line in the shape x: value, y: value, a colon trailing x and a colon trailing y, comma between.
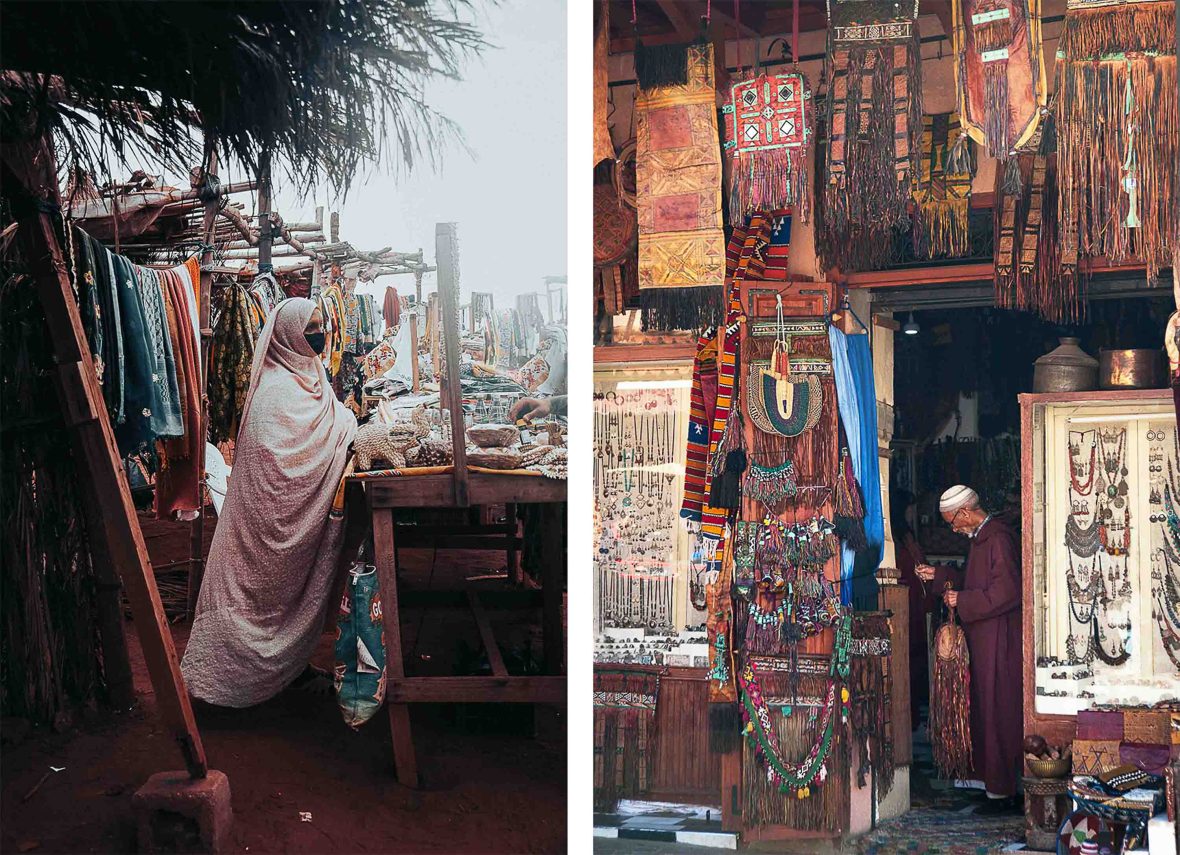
x: 604, y: 148
x: 1118, y: 131
x: 678, y: 173
x: 874, y: 114
x: 1000, y: 71
x: 624, y: 726
x: 1031, y: 273
x: 942, y: 188
x: 768, y: 129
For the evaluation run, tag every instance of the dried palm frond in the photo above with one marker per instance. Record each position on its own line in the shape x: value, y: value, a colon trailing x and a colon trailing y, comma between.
x: 331, y: 86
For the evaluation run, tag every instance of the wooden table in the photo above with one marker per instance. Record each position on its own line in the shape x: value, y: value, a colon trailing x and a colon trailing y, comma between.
x: 386, y: 493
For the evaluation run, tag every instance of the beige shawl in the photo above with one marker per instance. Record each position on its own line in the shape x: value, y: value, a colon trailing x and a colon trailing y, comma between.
x: 271, y: 566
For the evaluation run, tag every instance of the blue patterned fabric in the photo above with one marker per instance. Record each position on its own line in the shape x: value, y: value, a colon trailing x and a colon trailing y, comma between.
x: 856, y: 392
x: 846, y: 399
x: 359, y: 674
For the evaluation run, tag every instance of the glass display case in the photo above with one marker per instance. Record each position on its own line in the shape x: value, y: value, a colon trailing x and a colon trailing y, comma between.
x: 649, y: 590
x: 1101, y: 479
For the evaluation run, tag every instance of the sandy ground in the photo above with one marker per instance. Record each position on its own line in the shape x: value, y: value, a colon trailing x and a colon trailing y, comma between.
x: 493, y: 777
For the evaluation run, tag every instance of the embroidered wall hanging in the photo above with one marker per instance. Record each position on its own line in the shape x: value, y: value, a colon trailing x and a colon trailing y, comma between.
x: 718, y: 625
x: 999, y: 72
x: 1118, y: 131
x: 874, y: 112
x: 768, y: 128
x: 678, y: 175
x: 1032, y: 273
x: 624, y: 725
x: 604, y: 148
x: 942, y: 188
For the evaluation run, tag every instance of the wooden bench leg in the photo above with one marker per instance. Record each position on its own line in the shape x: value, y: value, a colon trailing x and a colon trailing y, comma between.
x: 513, y: 526
x: 552, y: 587
x: 399, y: 714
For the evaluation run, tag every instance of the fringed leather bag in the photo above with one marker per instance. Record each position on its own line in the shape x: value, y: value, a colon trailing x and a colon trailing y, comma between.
x: 950, y: 703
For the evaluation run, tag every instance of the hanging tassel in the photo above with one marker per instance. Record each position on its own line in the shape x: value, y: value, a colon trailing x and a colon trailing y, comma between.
x: 847, y: 508
x: 661, y: 65
x: 959, y: 160
x: 950, y: 702
x: 668, y: 309
x: 1013, y: 183
x: 725, y: 491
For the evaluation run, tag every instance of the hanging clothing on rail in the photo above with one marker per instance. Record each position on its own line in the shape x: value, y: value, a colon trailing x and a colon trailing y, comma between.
x: 178, y: 482
x: 230, y: 355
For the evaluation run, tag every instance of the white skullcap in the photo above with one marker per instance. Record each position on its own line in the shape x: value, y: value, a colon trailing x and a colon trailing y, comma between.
x: 957, y: 497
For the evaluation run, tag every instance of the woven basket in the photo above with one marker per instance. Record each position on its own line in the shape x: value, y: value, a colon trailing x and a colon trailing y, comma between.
x: 1046, y: 768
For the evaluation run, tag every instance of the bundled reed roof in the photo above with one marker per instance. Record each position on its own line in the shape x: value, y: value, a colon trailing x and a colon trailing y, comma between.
x: 332, y: 86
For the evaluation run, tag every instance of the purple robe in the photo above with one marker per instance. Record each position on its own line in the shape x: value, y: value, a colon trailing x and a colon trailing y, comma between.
x: 989, y: 609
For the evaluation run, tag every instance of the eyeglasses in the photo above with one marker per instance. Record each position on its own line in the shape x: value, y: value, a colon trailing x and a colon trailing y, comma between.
x: 955, y: 518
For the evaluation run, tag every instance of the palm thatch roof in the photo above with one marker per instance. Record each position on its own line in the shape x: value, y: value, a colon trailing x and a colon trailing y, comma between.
x: 330, y: 86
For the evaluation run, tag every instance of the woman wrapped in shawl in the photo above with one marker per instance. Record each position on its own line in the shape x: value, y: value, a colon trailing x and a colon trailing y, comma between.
x: 275, y: 554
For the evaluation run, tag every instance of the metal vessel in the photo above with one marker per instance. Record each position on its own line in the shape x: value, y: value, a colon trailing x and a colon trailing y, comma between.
x: 1141, y: 368
x: 1068, y: 368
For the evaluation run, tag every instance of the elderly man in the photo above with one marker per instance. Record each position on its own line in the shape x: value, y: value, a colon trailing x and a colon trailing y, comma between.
x: 989, y: 607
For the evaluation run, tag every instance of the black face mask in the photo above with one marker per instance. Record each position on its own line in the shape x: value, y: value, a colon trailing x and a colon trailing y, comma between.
x: 316, y: 340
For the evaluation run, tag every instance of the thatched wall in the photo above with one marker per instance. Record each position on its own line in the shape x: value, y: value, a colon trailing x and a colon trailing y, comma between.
x: 50, y: 660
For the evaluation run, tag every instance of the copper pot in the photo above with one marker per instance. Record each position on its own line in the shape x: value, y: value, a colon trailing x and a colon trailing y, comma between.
x: 1066, y: 369
x: 1131, y: 369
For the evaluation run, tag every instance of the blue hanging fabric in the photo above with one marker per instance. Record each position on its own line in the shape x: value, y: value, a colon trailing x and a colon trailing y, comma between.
x: 846, y: 400
x: 866, y: 463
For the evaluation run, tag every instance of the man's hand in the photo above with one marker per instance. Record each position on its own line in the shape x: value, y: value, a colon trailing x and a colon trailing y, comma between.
x: 529, y: 409
x: 924, y: 572
x: 951, y: 598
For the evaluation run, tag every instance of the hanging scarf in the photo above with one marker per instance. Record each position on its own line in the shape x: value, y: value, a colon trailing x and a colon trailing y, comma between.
x: 743, y: 261
x: 141, y: 396
x: 942, y: 188
x: 112, y: 331
x: 768, y: 129
x: 701, y: 404
x: 846, y: 399
x: 999, y: 72
x: 230, y: 356
x: 874, y: 110
x: 1118, y: 130
x: 166, y: 420
x: 866, y: 466
x: 178, y: 483
x: 678, y: 188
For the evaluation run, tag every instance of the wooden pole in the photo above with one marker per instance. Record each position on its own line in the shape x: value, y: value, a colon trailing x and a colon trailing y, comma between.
x: 264, y: 200
x: 413, y: 315
x: 30, y: 179
x: 447, y: 252
x: 196, y: 547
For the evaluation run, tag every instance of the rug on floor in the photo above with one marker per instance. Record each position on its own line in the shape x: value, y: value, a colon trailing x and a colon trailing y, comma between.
x: 936, y: 832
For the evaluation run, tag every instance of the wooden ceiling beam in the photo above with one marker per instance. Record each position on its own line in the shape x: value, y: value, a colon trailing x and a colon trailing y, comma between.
x: 685, y: 27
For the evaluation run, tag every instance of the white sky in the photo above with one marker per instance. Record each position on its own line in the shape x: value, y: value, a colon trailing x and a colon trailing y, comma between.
x: 509, y: 195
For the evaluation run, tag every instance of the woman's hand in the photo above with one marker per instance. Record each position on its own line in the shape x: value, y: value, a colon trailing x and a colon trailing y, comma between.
x: 529, y: 409
x: 951, y: 598
x: 924, y: 572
